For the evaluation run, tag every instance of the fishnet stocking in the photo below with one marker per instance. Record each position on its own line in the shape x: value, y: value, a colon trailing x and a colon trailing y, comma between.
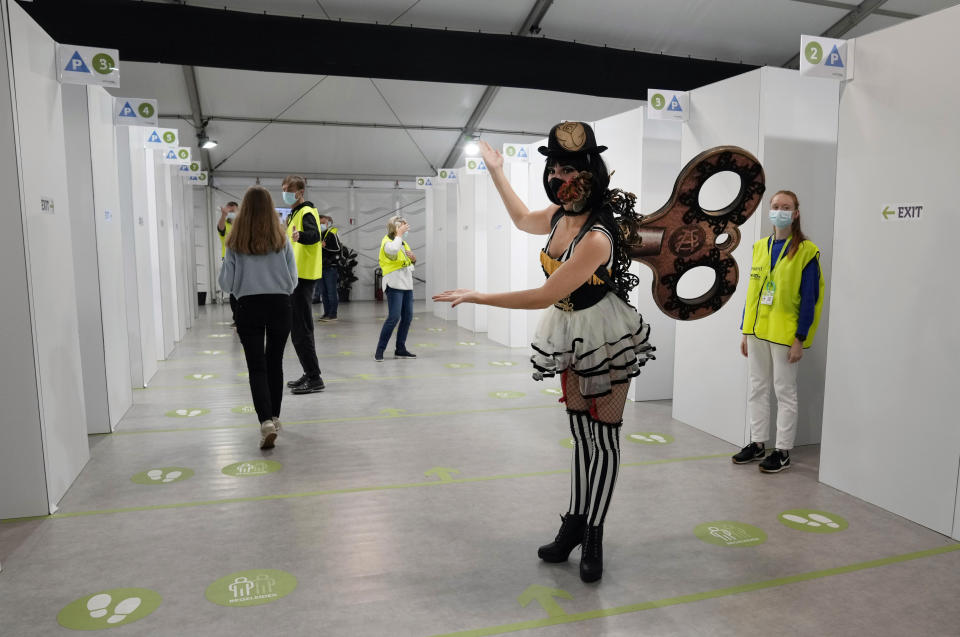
x: 608, y: 409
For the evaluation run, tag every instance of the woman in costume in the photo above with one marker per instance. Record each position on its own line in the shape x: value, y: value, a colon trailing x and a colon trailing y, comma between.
x: 780, y: 318
x: 589, y: 334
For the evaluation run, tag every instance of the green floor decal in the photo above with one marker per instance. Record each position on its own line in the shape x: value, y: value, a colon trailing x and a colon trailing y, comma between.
x: 251, y: 588
x: 553, y: 391
x: 163, y: 475
x: 813, y: 521
x: 459, y: 365
x: 200, y: 376
x: 252, y: 468
x: 727, y: 533
x: 507, y: 394
x: 648, y: 438
x: 107, y: 609
x: 244, y: 409
x: 569, y: 443
x: 186, y: 413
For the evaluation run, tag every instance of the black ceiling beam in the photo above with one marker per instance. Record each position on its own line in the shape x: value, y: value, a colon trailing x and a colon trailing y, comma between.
x: 189, y: 35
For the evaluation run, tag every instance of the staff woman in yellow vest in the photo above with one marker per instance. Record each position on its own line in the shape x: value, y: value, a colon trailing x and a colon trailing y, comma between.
x: 303, y: 229
x: 228, y: 214
x: 780, y: 318
x: 396, y: 263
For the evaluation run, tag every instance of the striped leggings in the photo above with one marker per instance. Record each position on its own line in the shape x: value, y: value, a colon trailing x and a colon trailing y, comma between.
x: 596, y: 461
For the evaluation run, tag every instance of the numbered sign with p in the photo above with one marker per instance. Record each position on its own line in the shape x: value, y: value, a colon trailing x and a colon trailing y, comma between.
x: 129, y: 111
x: 664, y: 104
x: 88, y: 65
x: 199, y: 179
x: 825, y: 57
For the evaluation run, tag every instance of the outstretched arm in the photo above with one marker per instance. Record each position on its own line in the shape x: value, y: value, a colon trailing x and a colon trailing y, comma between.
x: 536, y: 222
x: 592, y: 252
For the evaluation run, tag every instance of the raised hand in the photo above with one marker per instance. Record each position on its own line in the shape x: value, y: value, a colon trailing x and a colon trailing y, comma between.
x: 492, y: 158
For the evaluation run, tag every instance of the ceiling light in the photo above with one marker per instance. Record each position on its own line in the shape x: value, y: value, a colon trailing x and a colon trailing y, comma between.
x: 207, y: 143
x: 471, y: 148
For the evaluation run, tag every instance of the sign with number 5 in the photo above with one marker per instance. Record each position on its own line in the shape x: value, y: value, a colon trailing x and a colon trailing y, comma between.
x: 88, y: 65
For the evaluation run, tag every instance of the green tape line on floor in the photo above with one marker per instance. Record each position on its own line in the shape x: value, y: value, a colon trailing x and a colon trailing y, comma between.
x: 310, y: 494
x: 699, y: 597
x: 385, y: 416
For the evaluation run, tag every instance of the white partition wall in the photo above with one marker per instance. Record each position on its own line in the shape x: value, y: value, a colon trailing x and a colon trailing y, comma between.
x: 444, y: 249
x: 165, y: 256
x: 41, y: 388
x: 890, y: 432
x: 107, y: 214
x: 789, y: 123
x: 429, y: 269
x: 645, y: 155
x: 472, y: 248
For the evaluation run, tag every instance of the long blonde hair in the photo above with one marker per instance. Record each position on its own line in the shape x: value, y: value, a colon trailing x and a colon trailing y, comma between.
x: 257, y: 229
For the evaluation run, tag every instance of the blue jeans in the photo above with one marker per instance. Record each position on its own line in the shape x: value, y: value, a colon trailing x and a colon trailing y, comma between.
x: 328, y: 291
x: 399, y: 309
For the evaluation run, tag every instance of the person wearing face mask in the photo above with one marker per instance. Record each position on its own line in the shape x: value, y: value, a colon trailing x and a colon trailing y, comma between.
x: 228, y: 214
x: 588, y: 334
x: 330, y: 281
x: 780, y: 318
x: 303, y: 230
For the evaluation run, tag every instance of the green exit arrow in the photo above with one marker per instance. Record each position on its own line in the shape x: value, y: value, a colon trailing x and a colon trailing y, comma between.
x: 444, y: 473
x: 887, y: 212
x: 393, y: 412
x: 544, y: 596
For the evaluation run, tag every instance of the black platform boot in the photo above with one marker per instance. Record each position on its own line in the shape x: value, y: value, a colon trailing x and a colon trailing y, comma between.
x: 569, y: 536
x: 591, y: 557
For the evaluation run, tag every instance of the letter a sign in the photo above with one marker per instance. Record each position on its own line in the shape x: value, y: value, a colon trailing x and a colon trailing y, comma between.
x: 88, y: 65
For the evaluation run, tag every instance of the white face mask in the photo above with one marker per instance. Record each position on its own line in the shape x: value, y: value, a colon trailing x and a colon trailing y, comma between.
x: 323, y: 227
x: 781, y: 218
x: 231, y: 216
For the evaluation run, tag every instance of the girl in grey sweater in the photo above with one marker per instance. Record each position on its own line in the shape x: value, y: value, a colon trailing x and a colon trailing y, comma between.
x: 259, y: 270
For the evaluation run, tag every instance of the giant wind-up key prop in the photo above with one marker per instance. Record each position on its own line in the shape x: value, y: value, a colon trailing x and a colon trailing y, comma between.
x: 682, y: 235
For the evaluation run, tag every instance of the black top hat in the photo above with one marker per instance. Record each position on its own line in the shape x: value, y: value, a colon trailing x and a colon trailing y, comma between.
x: 570, y: 139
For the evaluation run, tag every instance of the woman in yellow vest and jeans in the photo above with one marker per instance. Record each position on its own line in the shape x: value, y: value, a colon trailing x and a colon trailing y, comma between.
x: 303, y: 229
x: 780, y: 318
x: 396, y: 263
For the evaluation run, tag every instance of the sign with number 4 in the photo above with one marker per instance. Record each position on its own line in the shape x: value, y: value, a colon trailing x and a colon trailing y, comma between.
x: 88, y: 65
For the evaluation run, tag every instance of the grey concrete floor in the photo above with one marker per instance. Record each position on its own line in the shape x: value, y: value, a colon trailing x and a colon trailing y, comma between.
x: 411, y: 500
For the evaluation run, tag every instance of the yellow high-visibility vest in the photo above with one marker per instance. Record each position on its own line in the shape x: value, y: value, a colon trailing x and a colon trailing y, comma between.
x: 777, y: 322
x: 223, y: 238
x: 398, y: 262
x: 309, y: 259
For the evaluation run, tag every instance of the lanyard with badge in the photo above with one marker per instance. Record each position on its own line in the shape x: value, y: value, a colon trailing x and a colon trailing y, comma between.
x: 766, y: 298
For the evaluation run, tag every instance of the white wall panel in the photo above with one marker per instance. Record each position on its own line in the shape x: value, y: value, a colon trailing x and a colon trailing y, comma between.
x: 141, y: 231
x: 472, y: 248
x: 107, y: 214
x: 165, y: 255
x: 789, y: 122
x: 152, y: 243
x: 889, y: 424
x: 21, y: 465
x: 43, y: 174
x: 85, y: 266
x: 709, y: 384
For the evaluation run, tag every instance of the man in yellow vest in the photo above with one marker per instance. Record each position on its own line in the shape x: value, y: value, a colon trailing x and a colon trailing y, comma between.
x: 227, y: 214
x: 303, y: 230
x: 329, y: 283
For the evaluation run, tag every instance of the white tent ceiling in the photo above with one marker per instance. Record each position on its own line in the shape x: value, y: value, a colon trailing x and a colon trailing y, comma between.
x: 342, y: 127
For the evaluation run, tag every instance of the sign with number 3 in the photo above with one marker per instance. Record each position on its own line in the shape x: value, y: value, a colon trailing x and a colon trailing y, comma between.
x: 88, y: 65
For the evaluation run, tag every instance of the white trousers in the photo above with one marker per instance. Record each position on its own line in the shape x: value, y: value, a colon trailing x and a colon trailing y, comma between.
x: 769, y: 365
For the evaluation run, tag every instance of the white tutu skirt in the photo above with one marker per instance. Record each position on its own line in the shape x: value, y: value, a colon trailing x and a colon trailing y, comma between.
x: 604, y: 345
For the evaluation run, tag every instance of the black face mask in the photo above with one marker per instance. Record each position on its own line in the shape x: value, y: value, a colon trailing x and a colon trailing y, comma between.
x: 555, y: 185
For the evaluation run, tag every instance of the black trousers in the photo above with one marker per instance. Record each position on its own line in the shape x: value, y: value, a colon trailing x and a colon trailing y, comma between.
x: 233, y: 308
x: 301, y: 333
x: 262, y: 316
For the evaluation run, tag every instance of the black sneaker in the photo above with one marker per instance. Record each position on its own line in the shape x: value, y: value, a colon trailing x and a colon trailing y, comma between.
x: 296, y: 383
x: 753, y: 451
x: 310, y: 386
x: 404, y: 354
x: 378, y: 356
x: 775, y: 462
